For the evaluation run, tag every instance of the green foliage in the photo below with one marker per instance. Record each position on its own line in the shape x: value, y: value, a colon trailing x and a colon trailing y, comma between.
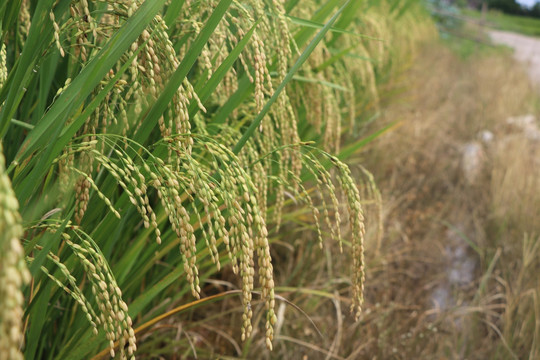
x: 506, y: 6
x: 520, y: 24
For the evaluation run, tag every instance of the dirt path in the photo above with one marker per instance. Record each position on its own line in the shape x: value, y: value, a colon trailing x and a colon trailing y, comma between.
x: 526, y: 50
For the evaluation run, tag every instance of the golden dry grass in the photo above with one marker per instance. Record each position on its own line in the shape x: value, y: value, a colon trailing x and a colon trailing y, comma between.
x: 454, y: 268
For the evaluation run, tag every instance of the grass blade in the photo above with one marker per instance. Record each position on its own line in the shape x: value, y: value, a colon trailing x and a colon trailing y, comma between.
x: 316, y: 25
x: 38, y: 38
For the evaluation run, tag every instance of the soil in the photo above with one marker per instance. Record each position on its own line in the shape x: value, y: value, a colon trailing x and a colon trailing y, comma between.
x: 526, y: 50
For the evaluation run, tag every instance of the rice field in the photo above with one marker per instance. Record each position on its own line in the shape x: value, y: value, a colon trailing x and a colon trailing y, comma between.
x: 217, y: 179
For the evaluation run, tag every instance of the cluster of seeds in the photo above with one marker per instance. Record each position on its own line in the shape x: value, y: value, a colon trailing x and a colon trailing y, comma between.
x: 13, y: 271
x: 271, y: 36
x: 252, y: 233
x: 157, y: 60
x: 3, y: 65
x: 149, y: 71
x: 24, y: 20
x: 370, y: 191
x: 133, y: 182
x: 332, y: 114
x: 57, y: 34
x: 327, y: 194
x: 168, y: 186
x: 71, y: 288
x: 240, y: 225
x: 205, y: 189
x: 324, y: 103
x: 82, y: 189
x: 112, y: 312
x: 326, y: 186
x: 356, y: 220
x: 242, y: 228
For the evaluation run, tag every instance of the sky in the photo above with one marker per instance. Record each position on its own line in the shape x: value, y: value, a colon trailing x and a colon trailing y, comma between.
x: 528, y: 3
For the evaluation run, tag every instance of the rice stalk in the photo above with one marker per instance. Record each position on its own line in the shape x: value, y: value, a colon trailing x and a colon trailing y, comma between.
x: 13, y: 271
x: 212, y: 178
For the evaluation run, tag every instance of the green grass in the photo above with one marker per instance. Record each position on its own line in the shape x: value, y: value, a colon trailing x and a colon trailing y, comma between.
x: 519, y: 24
x: 469, y: 47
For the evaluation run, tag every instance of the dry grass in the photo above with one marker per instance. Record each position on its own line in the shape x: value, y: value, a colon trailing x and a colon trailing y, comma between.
x: 461, y: 216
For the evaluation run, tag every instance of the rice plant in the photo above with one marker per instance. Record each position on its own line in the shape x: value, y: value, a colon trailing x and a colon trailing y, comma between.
x: 148, y: 145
